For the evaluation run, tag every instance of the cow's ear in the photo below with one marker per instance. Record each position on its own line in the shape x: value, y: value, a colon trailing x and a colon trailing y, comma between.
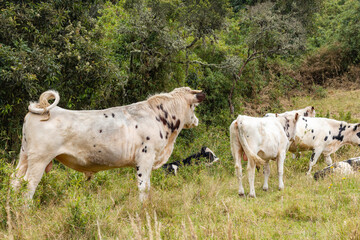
x: 296, y: 117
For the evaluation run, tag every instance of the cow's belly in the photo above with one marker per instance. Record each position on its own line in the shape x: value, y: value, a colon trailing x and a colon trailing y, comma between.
x: 96, y: 160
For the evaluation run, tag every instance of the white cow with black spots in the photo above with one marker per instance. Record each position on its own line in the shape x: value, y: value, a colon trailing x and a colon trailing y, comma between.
x: 308, y: 111
x: 323, y: 136
x: 140, y: 135
x: 261, y: 140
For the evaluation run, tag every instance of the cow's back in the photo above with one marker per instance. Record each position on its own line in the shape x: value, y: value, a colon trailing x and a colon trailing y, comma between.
x: 264, y: 135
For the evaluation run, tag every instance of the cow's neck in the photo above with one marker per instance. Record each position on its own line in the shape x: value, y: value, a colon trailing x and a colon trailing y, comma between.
x: 170, y: 119
x: 285, y: 123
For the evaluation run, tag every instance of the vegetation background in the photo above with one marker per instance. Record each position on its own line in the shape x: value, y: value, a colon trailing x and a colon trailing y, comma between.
x: 248, y: 56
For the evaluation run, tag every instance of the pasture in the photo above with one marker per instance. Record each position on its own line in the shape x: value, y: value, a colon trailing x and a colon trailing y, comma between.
x: 200, y: 202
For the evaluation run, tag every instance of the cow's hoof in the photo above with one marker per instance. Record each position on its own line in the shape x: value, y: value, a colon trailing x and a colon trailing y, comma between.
x: 241, y: 194
x: 252, y: 195
x: 281, y: 188
x: 265, y: 189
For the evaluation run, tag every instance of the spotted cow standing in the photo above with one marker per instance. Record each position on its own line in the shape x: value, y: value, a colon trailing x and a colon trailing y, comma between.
x: 261, y: 140
x: 346, y: 167
x: 140, y: 135
x: 323, y: 136
x: 308, y: 111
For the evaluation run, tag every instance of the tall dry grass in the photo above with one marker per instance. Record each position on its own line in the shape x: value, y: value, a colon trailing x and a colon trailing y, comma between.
x: 199, y: 203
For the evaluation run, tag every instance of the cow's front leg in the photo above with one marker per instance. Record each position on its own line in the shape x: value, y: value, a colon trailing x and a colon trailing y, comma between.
x: 266, y: 176
x: 328, y: 160
x: 313, y: 159
x: 251, y: 176
x: 143, y: 173
x: 280, y: 167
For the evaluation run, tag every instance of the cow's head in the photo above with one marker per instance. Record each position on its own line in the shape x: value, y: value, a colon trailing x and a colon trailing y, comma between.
x: 289, y: 122
x: 309, y: 112
x: 193, y: 98
x: 354, y: 133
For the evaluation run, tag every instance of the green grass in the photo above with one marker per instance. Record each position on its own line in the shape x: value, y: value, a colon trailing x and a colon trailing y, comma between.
x: 199, y: 203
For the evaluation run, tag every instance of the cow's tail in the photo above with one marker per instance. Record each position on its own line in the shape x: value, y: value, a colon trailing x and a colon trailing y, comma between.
x: 43, y: 106
x: 236, y: 149
x: 244, y: 143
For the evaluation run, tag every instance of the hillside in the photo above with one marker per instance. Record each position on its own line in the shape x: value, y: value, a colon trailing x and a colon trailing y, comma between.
x: 200, y: 202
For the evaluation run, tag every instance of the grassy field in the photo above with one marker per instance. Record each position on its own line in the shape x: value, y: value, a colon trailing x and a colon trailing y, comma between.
x: 200, y: 202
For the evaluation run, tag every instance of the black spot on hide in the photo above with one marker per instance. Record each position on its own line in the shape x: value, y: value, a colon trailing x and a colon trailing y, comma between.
x: 173, y: 117
x: 313, y: 137
x: 136, y: 126
x: 99, y: 151
x: 167, y: 134
x: 137, y: 168
x: 312, y: 157
x: 113, y: 115
x: 312, y: 130
x: 329, y: 132
x: 157, y: 119
x: 348, y: 126
x: 306, y: 114
x: 161, y: 136
x: 158, y: 107
x: 143, y: 150
x: 358, y: 134
x: 100, y: 131
x: 355, y: 127
x: 105, y: 115
x: 305, y: 125
x: 163, y: 120
x: 94, y: 145
x: 340, y: 137
x: 177, y: 125
x: 139, y: 174
x: 147, y: 138
x: 325, y: 138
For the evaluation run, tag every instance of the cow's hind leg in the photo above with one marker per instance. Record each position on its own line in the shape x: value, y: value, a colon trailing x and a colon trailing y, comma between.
x: 280, y: 167
x: 35, y: 171
x: 237, y: 154
x: 21, y: 169
x: 266, y: 176
x: 251, y: 176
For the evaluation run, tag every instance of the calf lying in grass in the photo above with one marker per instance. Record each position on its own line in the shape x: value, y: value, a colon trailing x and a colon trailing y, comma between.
x: 346, y: 167
x: 195, y: 158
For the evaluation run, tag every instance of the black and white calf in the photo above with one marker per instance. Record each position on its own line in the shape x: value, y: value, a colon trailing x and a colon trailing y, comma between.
x: 195, y: 158
x: 346, y: 167
x: 323, y: 136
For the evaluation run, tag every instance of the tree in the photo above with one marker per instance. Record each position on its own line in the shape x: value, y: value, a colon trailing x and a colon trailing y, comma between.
x: 268, y: 32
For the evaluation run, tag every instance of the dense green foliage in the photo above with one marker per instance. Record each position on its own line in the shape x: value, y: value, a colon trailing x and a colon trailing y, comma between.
x: 100, y: 53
